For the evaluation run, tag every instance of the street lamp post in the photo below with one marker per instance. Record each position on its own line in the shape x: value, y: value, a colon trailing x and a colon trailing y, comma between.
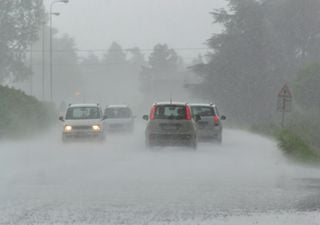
x: 43, y: 58
x: 51, y: 47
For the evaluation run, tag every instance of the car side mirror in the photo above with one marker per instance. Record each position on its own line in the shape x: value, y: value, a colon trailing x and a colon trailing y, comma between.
x: 145, y: 117
x: 223, y: 117
x: 61, y: 118
x: 197, y: 118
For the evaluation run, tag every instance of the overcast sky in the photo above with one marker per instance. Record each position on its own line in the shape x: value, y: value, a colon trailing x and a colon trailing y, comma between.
x: 94, y: 24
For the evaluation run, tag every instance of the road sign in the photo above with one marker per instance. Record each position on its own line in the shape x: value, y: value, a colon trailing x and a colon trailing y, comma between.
x: 285, y: 92
x: 284, y: 102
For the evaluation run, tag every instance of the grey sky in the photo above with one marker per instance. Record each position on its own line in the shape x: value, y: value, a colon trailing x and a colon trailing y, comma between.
x: 143, y: 23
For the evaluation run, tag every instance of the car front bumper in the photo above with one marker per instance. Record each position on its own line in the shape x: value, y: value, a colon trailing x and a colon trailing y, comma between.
x: 82, y: 135
x: 209, y: 133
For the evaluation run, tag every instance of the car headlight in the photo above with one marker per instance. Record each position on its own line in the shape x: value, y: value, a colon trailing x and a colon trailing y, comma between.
x: 96, y: 128
x: 68, y: 128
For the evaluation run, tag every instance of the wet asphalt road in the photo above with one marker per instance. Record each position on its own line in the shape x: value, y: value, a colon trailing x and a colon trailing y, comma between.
x: 246, y: 180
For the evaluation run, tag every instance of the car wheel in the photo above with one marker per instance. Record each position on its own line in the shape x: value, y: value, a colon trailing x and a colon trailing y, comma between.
x: 64, y: 140
x: 219, y: 139
x: 194, y: 144
x: 102, y: 138
x: 148, y: 144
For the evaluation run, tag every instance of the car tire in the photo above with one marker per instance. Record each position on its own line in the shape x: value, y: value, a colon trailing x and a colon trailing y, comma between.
x: 64, y: 140
x: 148, y: 144
x: 102, y: 138
x: 219, y: 139
x: 194, y: 144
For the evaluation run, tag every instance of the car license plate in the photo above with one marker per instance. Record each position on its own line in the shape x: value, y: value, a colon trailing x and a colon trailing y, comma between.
x: 169, y: 126
x: 202, y: 125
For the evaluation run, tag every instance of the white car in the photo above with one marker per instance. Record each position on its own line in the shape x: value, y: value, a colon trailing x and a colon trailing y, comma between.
x: 83, y: 121
x: 118, y: 118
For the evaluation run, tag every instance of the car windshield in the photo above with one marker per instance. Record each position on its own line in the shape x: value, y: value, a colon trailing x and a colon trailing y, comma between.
x: 176, y: 112
x: 81, y: 113
x: 119, y: 113
x: 202, y: 111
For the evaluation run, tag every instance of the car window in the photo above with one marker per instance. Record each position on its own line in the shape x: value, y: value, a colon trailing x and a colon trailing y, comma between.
x: 170, y: 112
x: 78, y: 113
x: 203, y: 111
x: 118, y: 112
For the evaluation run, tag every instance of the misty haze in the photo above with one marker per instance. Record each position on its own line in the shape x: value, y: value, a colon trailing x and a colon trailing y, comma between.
x: 159, y: 112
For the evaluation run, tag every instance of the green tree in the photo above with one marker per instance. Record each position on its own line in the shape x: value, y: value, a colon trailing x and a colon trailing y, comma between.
x: 262, y: 46
x: 19, y: 25
x: 306, y: 87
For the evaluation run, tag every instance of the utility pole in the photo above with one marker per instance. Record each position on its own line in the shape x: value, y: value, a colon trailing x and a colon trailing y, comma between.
x: 43, y: 59
x: 51, y: 44
x: 31, y: 68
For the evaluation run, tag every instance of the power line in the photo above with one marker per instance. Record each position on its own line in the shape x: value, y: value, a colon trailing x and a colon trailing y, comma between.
x: 108, y: 50
x: 86, y: 64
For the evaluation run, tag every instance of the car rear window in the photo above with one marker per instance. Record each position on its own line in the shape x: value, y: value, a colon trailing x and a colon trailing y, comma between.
x: 203, y: 111
x: 80, y: 113
x: 177, y: 112
x: 119, y: 113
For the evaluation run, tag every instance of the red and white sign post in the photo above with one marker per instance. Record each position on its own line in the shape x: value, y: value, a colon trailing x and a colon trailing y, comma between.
x: 284, y: 102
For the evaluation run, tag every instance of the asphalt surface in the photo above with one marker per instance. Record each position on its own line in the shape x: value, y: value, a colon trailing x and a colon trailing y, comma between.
x: 246, y: 180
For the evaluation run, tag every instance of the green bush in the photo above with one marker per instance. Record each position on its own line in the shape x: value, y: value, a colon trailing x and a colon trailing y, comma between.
x: 21, y: 114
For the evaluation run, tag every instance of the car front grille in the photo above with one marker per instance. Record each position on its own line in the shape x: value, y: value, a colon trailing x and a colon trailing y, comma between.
x: 81, y: 127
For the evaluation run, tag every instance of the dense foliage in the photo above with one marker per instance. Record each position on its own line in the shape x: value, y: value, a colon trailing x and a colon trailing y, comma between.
x: 19, y: 24
x: 21, y: 114
x: 262, y: 46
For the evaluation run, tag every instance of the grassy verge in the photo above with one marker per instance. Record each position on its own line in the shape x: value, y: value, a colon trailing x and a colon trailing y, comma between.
x: 295, y: 147
x: 296, y: 141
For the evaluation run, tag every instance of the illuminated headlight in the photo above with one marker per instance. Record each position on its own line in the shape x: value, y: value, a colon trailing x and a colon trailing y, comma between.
x: 68, y: 128
x: 96, y: 128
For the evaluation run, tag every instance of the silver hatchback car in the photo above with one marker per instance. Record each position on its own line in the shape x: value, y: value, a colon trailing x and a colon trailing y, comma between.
x: 209, y: 125
x: 170, y: 123
x: 118, y: 118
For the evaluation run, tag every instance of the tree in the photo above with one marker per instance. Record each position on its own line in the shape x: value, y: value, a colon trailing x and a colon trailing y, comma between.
x: 162, y: 78
x: 262, y: 46
x: 114, y: 78
x: 306, y: 87
x: 67, y: 80
x: 163, y: 59
x: 67, y: 76
x: 19, y: 25
x: 115, y: 55
x: 137, y: 57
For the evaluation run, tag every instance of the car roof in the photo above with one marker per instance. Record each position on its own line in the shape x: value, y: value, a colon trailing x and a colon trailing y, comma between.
x: 202, y: 104
x: 170, y: 103
x: 117, y: 106
x: 84, y: 105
